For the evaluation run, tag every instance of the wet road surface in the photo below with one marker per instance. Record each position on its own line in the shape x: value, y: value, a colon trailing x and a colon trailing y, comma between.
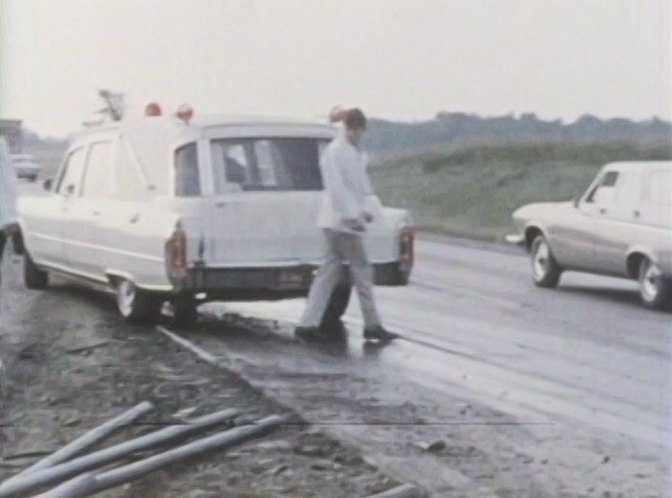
x: 584, y: 358
x: 535, y: 392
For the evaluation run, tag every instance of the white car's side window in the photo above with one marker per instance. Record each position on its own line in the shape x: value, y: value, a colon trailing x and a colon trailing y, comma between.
x: 187, y: 178
x: 660, y: 187
x: 98, y: 174
x: 71, y: 176
x: 605, y: 192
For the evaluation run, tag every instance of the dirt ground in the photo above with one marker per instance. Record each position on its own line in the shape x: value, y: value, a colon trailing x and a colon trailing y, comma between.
x: 65, y: 372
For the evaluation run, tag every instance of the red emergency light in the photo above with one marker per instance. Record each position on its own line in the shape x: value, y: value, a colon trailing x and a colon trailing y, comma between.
x: 152, y: 110
x: 185, y: 113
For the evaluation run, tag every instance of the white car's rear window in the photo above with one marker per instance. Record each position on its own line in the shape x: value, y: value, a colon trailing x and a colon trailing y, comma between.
x: 276, y: 163
x: 253, y: 164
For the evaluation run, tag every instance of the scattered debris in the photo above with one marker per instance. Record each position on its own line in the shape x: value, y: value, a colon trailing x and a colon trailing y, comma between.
x: 71, y: 489
x: 279, y: 469
x: 435, y: 447
x: 121, y: 475
x: 28, y: 454
x: 403, y: 491
x: 86, y: 347
x: 43, y: 473
x: 89, y: 439
x: 72, y: 422
x: 87, y: 483
x: 203, y: 355
x: 185, y: 413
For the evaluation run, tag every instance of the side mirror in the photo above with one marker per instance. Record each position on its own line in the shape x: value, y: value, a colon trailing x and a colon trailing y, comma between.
x: 48, y: 184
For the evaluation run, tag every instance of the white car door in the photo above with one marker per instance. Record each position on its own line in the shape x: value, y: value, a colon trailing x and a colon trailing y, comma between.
x: 87, y: 225
x: 616, y: 223
x: 46, y: 217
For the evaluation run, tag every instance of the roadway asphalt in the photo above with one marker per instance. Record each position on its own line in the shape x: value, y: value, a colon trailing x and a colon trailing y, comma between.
x: 532, y: 392
x: 584, y: 359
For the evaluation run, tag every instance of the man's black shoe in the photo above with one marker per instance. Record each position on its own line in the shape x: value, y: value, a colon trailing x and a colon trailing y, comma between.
x: 380, y: 334
x: 307, y: 333
x: 315, y: 334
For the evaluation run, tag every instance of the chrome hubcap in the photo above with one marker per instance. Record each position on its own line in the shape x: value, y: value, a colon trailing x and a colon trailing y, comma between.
x: 540, y: 260
x: 649, y: 281
x: 125, y: 297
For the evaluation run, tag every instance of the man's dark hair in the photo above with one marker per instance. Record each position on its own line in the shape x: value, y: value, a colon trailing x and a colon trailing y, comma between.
x: 355, y: 119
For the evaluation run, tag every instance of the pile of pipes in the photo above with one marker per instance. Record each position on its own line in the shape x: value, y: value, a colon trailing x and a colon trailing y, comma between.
x: 74, y: 472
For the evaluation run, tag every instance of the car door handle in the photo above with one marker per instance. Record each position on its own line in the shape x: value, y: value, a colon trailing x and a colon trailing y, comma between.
x: 134, y: 218
x: 603, y: 211
x: 636, y: 214
x: 226, y: 203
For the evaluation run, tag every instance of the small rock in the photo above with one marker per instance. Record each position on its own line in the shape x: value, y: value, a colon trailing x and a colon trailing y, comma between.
x: 279, y: 445
x: 321, y: 466
x: 370, y: 462
x: 185, y: 413
x: 312, y: 450
x: 72, y: 422
x: 437, y: 446
x: 279, y: 469
x: 434, y: 447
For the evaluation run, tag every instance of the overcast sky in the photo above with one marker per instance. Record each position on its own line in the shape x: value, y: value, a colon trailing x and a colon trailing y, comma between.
x: 397, y: 59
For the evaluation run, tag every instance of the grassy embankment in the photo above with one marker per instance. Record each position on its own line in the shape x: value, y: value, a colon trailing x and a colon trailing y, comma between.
x: 472, y: 192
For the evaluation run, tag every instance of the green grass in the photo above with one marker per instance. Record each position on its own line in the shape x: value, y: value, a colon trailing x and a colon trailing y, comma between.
x: 472, y: 192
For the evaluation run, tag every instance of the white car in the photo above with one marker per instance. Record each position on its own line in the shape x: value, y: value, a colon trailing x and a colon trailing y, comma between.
x: 621, y: 226
x: 217, y: 208
x: 25, y: 166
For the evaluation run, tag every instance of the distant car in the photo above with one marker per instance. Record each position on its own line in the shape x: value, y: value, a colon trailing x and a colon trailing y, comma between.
x: 621, y: 226
x: 218, y: 208
x: 8, y: 218
x: 25, y: 166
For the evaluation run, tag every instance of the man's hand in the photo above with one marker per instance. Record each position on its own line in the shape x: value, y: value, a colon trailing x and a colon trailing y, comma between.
x: 368, y: 217
x: 354, y: 225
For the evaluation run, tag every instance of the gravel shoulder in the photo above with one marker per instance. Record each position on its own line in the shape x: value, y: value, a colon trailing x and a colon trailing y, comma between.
x: 69, y: 364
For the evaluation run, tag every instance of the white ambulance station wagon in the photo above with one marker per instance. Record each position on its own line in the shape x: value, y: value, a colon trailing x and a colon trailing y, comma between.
x: 187, y: 211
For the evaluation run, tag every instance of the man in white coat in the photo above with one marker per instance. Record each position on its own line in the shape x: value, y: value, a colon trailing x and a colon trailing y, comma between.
x: 343, y: 217
x: 8, y: 217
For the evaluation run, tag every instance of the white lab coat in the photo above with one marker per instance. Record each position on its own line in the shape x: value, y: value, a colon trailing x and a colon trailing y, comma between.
x: 348, y: 193
x: 8, y: 213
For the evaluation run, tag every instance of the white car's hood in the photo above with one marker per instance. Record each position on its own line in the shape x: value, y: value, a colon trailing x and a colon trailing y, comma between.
x: 541, y: 208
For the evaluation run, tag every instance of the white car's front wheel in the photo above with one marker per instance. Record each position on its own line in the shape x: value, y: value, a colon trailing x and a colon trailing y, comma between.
x: 655, y: 290
x: 545, y: 269
x: 138, y: 307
